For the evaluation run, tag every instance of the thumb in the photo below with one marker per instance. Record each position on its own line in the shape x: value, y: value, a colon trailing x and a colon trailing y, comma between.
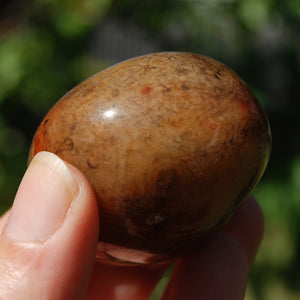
x: 48, y: 245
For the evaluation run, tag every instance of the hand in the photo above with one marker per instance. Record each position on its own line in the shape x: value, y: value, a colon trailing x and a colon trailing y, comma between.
x: 48, y: 243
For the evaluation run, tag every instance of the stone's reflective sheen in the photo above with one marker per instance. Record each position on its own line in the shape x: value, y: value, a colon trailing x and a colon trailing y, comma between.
x: 171, y: 142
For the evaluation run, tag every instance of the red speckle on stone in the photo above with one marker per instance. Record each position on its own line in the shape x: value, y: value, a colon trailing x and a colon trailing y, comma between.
x: 245, y: 106
x: 147, y: 90
x: 213, y: 126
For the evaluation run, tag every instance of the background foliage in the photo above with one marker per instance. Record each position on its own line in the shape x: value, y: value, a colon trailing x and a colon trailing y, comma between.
x: 49, y: 46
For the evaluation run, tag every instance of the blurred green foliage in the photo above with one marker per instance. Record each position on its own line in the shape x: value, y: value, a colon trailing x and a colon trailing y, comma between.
x: 48, y: 46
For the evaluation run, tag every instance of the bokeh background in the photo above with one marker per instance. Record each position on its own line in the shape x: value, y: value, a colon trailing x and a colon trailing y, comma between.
x: 49, y: 46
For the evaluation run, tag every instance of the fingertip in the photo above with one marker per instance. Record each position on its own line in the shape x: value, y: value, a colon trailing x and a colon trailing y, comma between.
x: 220, y: 269
x: 51, y: 235
x: 217, y: 271
x: 247, y: 227
x: 124, y: 282
x: 42, y: 200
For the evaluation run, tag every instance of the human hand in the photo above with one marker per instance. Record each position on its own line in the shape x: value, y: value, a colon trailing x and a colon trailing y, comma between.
x: 49, y: 238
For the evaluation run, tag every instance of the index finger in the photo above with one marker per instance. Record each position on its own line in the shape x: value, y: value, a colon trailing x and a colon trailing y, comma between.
x: 220, y: 269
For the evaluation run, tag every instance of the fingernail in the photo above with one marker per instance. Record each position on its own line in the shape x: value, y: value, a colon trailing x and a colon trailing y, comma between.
x: 43, y: 199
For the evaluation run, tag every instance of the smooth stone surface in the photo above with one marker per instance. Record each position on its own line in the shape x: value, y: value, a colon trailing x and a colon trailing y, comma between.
x: 171, y: 143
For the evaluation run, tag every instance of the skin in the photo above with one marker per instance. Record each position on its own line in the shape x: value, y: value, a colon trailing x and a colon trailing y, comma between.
x: 56, y: 260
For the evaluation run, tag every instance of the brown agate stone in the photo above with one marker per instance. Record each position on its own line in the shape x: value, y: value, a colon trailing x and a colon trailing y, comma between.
x: 171, y: 143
